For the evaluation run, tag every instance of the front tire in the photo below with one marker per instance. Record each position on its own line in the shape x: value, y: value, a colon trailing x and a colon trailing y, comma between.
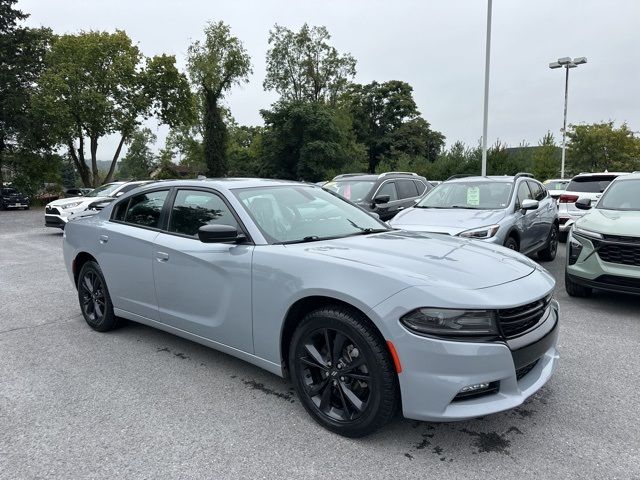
x: 574, y: 289
x: 342, y: 372
x: 511, y: 244
x: 95, y: 302
x: 548, y: 253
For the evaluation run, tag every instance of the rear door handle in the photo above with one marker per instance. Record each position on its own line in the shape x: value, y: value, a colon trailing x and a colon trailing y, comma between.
x: 104, y: 238
x: 162, y: 257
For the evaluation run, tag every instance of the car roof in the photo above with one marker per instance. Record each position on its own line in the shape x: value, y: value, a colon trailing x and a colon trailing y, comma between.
x: 600, y: 174
x: 495, y: 178
x: 629, y: 176
x: 228, y: 183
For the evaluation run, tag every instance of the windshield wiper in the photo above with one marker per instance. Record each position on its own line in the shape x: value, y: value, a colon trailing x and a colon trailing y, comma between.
x: 310, y: 238
x: 426, y: 206
x: 366, y: 230
x: 464, y: 206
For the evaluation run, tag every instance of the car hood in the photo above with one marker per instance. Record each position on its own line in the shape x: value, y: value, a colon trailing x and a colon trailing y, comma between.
x: 445, y: 220
x: 612, y: 222
x: 63, y: 201
x: 426, y: 259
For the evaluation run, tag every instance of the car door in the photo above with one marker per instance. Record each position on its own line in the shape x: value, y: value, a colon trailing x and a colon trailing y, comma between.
x: 526, y: 218
x: 125, y: 252
x: 389, y: 209
x: 203, y: 288
x: 544, y: 215
x: 407, y: 192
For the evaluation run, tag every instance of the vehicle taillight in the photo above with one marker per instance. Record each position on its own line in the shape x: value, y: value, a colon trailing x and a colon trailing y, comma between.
x: 568, y: 198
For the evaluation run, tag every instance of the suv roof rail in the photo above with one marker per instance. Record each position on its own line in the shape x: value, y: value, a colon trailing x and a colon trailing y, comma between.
x: 523, y: 174
x: 460, y: 175
x: 344, y: 175
x: 397, y: 173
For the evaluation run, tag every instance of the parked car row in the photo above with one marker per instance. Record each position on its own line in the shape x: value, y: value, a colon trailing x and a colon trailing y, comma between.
x: 12, y: 198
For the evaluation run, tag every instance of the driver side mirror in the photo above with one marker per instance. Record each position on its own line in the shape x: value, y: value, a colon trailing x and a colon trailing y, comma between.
x: 529, y: 204
x: 219, y: 234
x: 381, y: 199
x: 583, y: 203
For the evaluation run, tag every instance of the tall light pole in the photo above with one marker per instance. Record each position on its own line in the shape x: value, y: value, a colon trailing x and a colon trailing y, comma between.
x: 567, y: 63
x: 486, y: 90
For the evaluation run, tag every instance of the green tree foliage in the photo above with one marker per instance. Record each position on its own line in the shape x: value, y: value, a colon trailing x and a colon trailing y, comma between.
x: 546, y: 158
x: 98, y: 83
x: 303, y: 66
x: 166, y: 168
x: 215, y: 65
x: 602, y: 146
x: 31, y: 169
x: 244, y: 150
x: 139, y: 161
x: 304, y: 141
x: 387, y: 122
x: 21, y: 52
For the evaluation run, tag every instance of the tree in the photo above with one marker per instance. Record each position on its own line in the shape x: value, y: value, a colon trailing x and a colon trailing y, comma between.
x: 546, y: 158
x: 139, y: 160
x: 21, y: 52
x: 303, y: 66
x: 98, y: 83
x: 387, y: 121
x: 245, y: 150
x: 601, y: 146
x: 215, y: 65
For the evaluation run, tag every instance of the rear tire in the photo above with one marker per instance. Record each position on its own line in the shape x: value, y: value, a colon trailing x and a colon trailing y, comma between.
x: 574, y: 289
x: 548, y: 253
x: 342, y: 372
x: 95, y: 302
x: 512, y: 244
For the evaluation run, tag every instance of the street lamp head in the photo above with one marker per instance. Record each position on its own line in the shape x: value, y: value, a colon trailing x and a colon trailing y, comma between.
x: 580, y: 60
x: 564, y: 60
x: 571, y: 65
x: 554, y: 65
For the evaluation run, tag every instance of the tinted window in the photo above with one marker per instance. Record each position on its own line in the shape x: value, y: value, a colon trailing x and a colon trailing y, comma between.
x: 406, y: 189
x: 524, y: 193
x: 420, y: 186
x: 537, y: 191
x: 193, y: 209
x: 144, y: 210
x: 388, y: 188
x: 120, y: 210
x: 104, y: 190
x: 129, y: 187
x: 622, y: 195
x: 590, y: 184
x: 354, y: 190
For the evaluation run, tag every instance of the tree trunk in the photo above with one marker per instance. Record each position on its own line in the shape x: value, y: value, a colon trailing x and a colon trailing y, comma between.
x: 81, y: 167
x: 215, y: 137
x: 2, y: 149
x: 93, y: 147
x: 114, y: 161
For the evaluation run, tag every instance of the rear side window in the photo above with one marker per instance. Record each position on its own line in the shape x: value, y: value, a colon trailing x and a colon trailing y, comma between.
x: 144, y: 210
x: 590, y: 184
x: 537, y: 191
x: 420, y: 186
x: 388, y: 188
x: 406, y: 189
x: 194, y: 208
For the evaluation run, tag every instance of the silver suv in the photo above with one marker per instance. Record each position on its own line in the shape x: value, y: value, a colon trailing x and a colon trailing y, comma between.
x: 516, y: 212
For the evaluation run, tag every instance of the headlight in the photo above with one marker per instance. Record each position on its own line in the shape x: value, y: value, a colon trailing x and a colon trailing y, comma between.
x: 586, y: 233
x: 70, y: 205
x: 451, y: 323
x: 482, y: 232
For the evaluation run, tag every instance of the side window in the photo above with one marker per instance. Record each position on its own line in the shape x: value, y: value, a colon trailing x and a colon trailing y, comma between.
x: 406, y: 189
x: 388, y: 188
x: 144, y: 210
x: 194, y: 208
x: 420, y: 186
x: 119, y: 211
x: 537, y: 191
x: 523, y: 193
x: 127, y: 188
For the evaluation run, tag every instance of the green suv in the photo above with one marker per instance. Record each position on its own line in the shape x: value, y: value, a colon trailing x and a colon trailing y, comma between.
x: 603, y: 248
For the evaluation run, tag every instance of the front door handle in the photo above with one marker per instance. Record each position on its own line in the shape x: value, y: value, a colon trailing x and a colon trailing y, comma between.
x: 162, y: 257
x: 104, y: 239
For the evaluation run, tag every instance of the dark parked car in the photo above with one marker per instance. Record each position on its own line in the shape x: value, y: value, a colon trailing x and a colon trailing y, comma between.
x: 385, y: 194
x: 12, y: 198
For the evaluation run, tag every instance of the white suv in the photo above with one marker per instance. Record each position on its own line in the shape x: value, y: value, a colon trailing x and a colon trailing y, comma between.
x: 584, y: 185
x: 57, y: 213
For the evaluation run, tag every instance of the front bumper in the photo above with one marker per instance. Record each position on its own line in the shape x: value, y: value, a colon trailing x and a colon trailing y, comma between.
x: 56, y: 221
x: 15, y: 204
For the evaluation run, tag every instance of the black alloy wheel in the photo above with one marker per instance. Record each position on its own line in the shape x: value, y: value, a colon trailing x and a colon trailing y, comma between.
x: 548, y: 253
x: 511, y: 244
x: 343, y: 372
x: 95, y: 302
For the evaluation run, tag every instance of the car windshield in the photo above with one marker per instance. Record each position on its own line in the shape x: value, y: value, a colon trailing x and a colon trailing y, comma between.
x: 590, y: 183
x: 621, y: 195
x: 556, y: 184
x: 104, y: 190
x: 354, y: 190
x: 294, y: 214
x: 476, y: 195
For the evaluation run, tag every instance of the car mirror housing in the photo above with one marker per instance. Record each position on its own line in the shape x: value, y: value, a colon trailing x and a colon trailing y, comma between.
x: 219, y: 234
x: 529, y: 204
x: 583, y: 203
x: 381, y: 199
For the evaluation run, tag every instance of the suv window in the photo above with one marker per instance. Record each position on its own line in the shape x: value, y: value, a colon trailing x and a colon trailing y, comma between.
x: 143, y: 210
x: 128, y: 187
x: 523, y: 193
x: 537, y: 191
x: 590, y: 183
x: 388, y: 188
x: 406, y: 189
x: 194, y: 208
x: 420, y: 186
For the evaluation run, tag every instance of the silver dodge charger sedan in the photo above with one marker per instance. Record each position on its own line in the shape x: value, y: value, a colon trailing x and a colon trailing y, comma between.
x: 364, y: 319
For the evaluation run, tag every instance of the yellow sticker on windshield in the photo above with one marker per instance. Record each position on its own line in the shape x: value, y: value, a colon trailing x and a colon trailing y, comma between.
x: 473, y: 196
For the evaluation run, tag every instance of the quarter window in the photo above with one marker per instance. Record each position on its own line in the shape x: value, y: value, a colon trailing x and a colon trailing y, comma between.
x: 144, y: 210
x: 194, y: 208
x: 523, y: 193
x: 537, y: 191
x: 388, y: 188
x: 420, y: 186
x: 406, y: 189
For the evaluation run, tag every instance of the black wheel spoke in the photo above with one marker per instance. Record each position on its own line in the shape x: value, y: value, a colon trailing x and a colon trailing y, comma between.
x: 328, y: 343
x: 312, y: 363
x: 350, y: 367
x: 357, y: 376
x: 338, y: 344
x: 97, y: 309
x: 88, y: 284
x: 351, y: 397
x: 318, y: 388
x: 345, y: 408
x: 315, y: 354
x: 325, y: 400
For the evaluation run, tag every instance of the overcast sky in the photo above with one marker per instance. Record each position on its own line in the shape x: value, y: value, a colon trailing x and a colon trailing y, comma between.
x: 436, y: 46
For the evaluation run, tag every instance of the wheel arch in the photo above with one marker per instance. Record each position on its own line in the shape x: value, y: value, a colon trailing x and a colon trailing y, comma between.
x: 513, y: 232
x: 80, y: 259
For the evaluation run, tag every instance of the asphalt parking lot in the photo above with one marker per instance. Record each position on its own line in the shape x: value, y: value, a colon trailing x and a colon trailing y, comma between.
x: 140, y: 403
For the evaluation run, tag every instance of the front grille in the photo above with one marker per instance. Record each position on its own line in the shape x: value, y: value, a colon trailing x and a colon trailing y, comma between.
x: 52, y: 211
x: 622, y: 238
x: 493, y: 388
x: 517, y: 320
x: 521, y: 372
x: 618, y: 253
